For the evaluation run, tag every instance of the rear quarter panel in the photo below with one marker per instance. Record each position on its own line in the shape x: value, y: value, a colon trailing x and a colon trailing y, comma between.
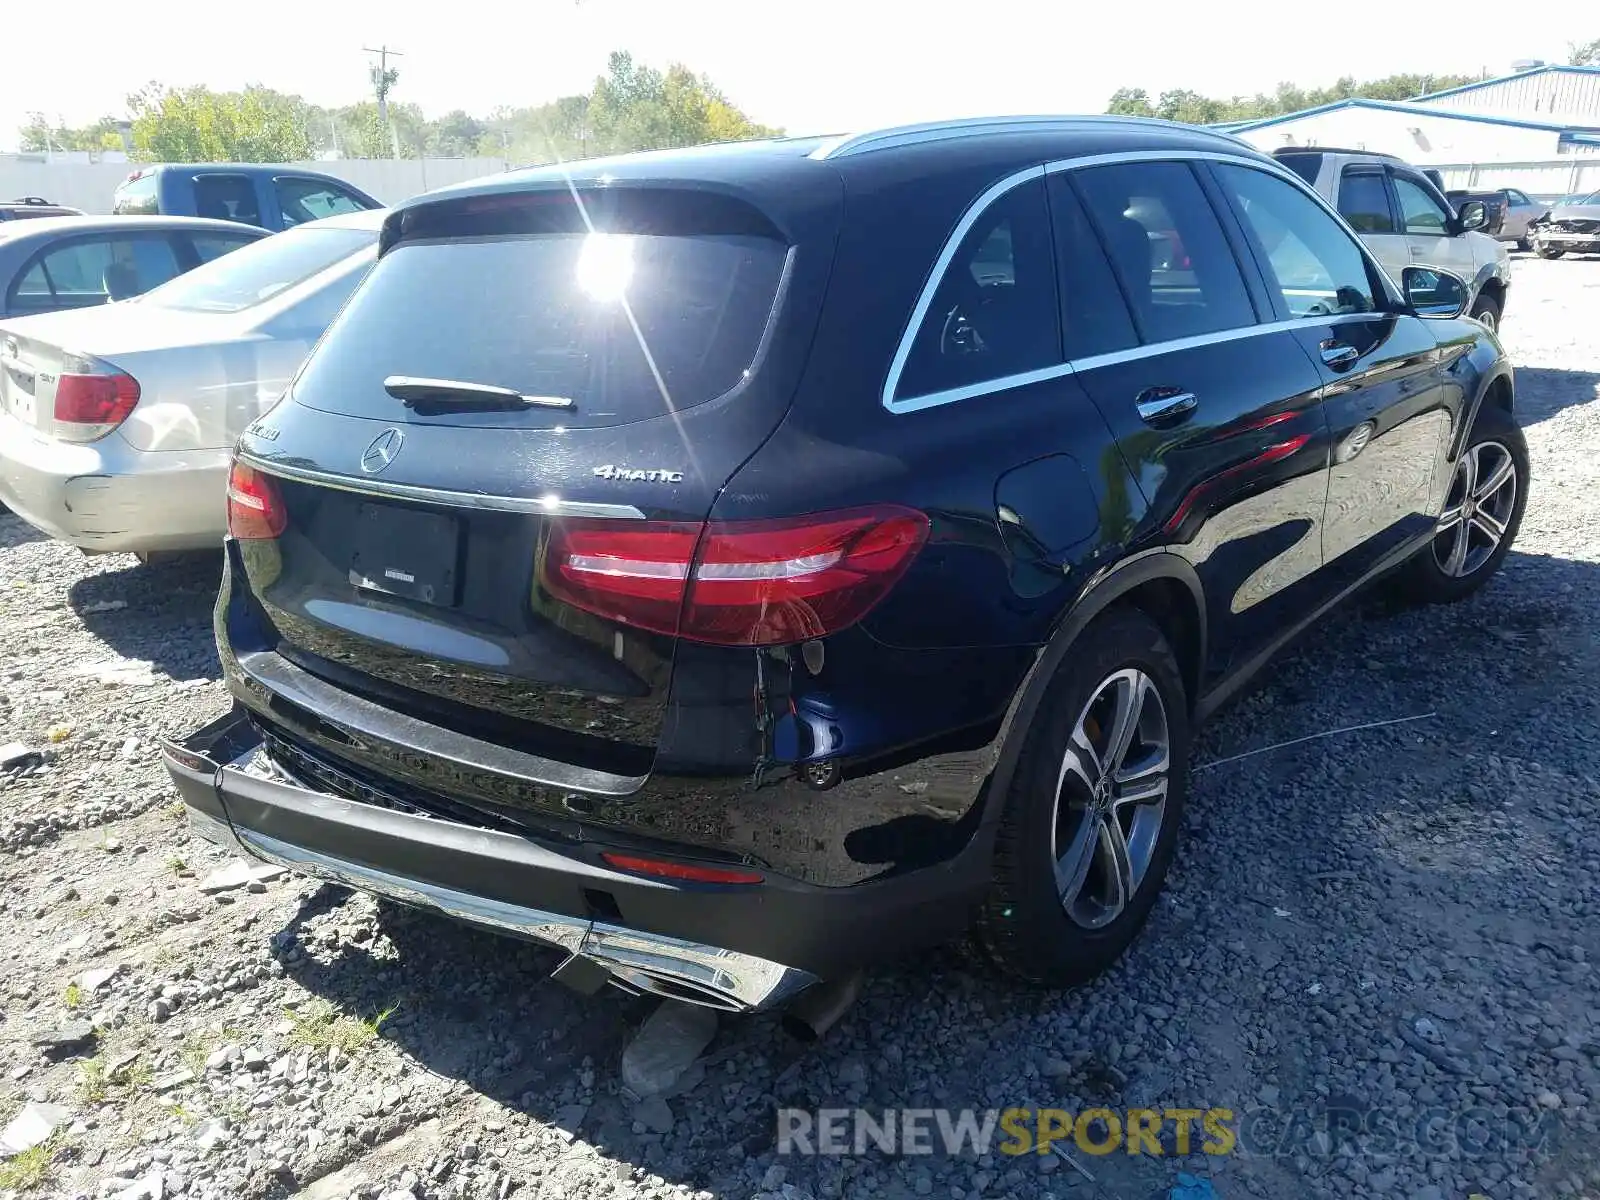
x: 203, y: 397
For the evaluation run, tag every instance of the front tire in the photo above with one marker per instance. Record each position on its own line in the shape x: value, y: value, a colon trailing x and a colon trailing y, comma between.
x: 1092, y: 816
x: 1482, y: 513
x: 1486, y: 312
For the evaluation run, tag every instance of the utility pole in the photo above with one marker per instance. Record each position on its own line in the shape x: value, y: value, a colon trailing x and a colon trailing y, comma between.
x: 383, y: 78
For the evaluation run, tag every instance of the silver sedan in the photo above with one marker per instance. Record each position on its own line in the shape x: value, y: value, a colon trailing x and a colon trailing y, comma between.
x: 117, y: 422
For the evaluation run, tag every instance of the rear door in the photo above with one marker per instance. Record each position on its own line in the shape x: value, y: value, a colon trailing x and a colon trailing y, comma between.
x: 226, y: 196
x: 1366, y: 202
x: 1383, y: 398
x: 640, y: 364
x: 1216, y: 411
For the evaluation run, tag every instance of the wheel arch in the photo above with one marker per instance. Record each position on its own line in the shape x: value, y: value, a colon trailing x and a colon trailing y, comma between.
x: 1496, y: 386
x: 1160, y: 584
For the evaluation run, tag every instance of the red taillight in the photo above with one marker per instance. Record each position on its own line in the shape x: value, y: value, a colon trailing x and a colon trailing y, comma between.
x: 255, y: 506
x: 89, y: 406
x: 673, y: 870
x: 736, y: 583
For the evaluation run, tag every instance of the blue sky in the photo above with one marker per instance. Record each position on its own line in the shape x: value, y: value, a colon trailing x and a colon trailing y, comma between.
x: 816, y: 66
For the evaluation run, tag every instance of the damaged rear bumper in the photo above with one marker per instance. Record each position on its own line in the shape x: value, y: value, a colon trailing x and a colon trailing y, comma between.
x: 238, y: 797
x: 736, y: 947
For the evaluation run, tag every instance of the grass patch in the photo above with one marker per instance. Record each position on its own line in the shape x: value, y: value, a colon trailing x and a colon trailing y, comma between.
x: 28, y: 1170
x: 72, y: 997
x: 176, y: 865
x: 322, y: 1025
x: 93, y: 1083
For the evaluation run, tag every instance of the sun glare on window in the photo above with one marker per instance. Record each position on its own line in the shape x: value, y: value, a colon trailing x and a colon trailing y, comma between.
x: 605, y: 266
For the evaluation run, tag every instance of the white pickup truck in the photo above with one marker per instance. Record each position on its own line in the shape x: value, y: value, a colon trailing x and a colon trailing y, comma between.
x: 1406, y: 221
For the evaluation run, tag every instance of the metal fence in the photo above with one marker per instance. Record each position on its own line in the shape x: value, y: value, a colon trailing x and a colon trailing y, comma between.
x: 89, y: 186
x: 1549, y: 180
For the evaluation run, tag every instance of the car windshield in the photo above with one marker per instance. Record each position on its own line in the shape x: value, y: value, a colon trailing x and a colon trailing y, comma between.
x: 261, y: 270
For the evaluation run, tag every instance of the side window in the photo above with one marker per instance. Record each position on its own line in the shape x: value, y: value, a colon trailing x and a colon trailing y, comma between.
x: 1364, y: 201
x: 993, y: 313
x: 214, y: 245
x: 109, y: 269
x: 35, y: 283
x: 1315, y: 264
x: 1520, y: 199
x: 1094, y: 319
x: 226, y: 198
x: 1419, y: 210
x: 1167, y: 247
x: 302, y: 200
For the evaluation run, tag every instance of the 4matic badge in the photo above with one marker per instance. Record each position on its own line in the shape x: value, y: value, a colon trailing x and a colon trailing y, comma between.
x: 634, y: 475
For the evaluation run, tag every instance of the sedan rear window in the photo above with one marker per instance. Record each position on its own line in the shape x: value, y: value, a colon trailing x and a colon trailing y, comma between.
x: 624, y: 324
x: 261, y: 270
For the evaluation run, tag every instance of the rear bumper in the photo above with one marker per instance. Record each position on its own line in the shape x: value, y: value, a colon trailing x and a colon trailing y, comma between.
x: 740, y: 948
x: 105, y: 496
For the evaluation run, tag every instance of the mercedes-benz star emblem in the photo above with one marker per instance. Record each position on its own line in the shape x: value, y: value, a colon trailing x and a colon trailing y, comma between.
x: 382, y: 451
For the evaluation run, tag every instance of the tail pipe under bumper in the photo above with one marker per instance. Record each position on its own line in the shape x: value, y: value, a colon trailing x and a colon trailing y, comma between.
x: 223, y: 771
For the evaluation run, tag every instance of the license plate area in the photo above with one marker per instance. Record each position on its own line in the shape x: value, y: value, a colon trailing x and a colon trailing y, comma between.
x: 402, y: 552
x: 17, y: 389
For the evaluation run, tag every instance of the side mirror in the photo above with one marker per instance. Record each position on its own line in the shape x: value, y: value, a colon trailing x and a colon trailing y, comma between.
x: 1474, y: 214
x: 1434, y: 293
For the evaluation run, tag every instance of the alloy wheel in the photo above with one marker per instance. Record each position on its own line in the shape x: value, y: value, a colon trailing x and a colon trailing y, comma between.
x: 1111, y: 798
x: 1477, y: 511
x: 1487, y: 319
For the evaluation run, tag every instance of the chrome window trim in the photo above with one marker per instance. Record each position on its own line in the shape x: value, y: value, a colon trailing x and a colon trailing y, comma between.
x: 935, y: 277
x: 996, y: 191
x: 550, y: 506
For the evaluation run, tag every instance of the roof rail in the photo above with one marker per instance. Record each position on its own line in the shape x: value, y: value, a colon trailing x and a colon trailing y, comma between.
x: 935, y: 131
x: 1335, y: 150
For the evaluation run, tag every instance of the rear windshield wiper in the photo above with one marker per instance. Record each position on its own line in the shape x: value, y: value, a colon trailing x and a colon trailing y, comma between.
x: 441, y: 395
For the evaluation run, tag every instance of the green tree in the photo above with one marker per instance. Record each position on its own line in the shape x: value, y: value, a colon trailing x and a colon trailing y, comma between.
x: 1182, y: 104
x: 635, y: 107
x: 1584, y: 54
x: 1131, y: 102
x: 455, y: 135
x: 39, y: 134
x: 195, y: 124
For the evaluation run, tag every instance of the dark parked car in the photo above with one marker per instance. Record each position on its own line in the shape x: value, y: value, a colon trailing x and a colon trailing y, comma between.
x: 27, y: 207
x: 73, y: 262
x: 743, y: 563
x: 272, y: 196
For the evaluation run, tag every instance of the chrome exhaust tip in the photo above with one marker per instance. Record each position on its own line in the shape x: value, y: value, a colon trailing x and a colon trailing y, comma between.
x: 819, y: 1007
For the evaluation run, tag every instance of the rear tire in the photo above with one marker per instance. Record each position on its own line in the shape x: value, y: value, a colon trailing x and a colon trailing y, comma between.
x: 1092, y: 816
x: 1474, y: 538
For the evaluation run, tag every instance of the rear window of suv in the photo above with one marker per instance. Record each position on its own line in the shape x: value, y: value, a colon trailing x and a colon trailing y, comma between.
x: 651, y: 311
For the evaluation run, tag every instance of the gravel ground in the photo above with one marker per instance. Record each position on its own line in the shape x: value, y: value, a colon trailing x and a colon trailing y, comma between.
x: 1368, y: 929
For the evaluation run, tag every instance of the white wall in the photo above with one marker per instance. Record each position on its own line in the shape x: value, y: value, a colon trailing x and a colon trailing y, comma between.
x: 89, y: 185
x: 1414, y: 137
x: 1541, y: 180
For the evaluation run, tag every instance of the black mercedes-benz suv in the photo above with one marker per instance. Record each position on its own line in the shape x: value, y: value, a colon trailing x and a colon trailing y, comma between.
x: 734, y: 565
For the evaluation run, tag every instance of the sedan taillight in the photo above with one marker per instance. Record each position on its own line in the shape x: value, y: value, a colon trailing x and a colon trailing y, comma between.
x: 735, y: 583
x: 92, y: 399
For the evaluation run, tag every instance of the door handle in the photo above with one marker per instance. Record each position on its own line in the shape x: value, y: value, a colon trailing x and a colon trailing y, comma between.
x: 1338, y: 355
x: 1159, y: 405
